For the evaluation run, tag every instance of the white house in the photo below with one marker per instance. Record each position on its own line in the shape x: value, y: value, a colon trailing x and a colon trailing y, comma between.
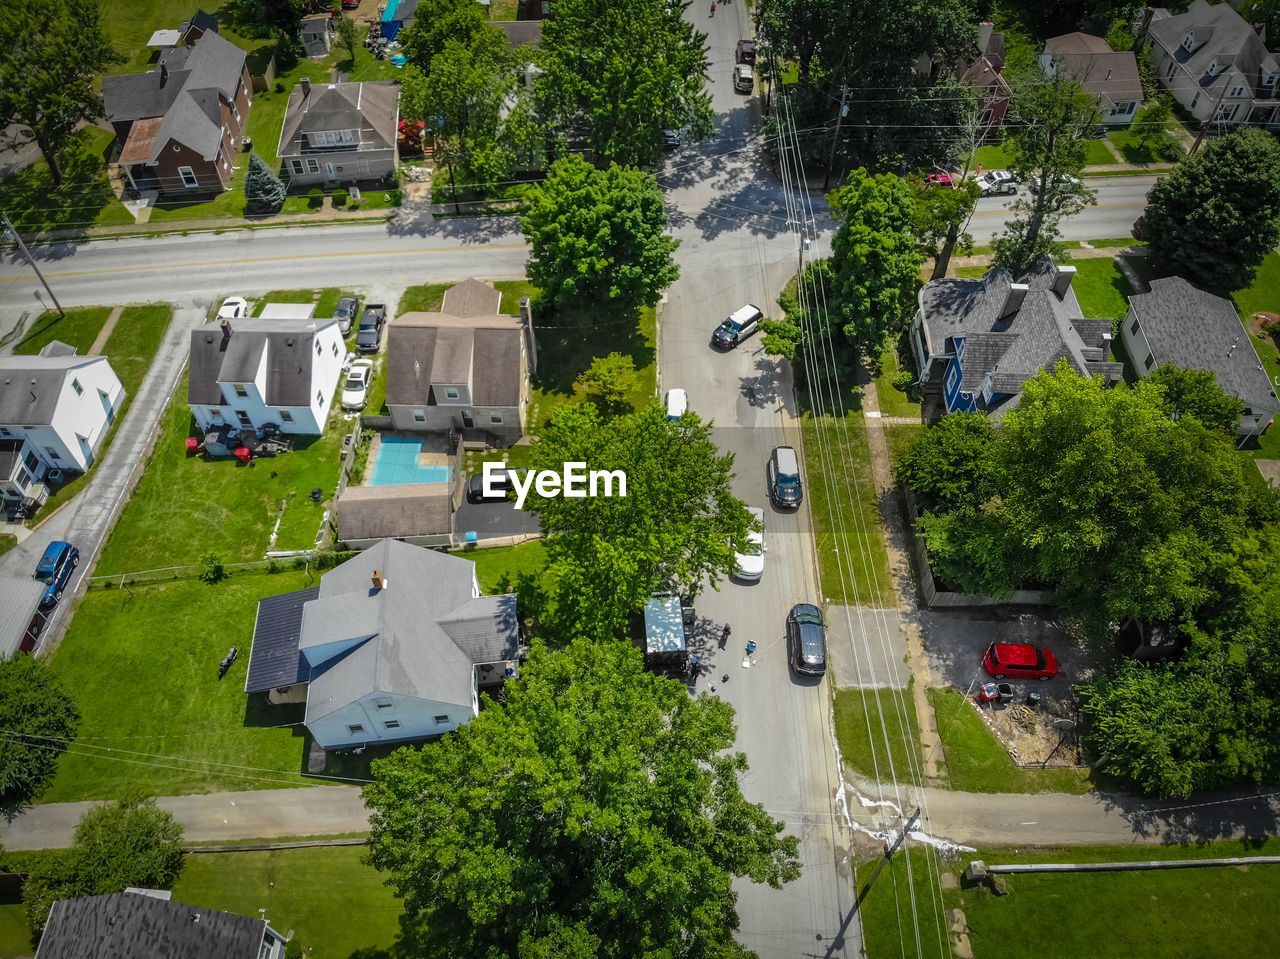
x: 1182, y: 324
x: 255, y: 372
x: 54, y: 412
x: 395, y: 644
x: 1111, y: 77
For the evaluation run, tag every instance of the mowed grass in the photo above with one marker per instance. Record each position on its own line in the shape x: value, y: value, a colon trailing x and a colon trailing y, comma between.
x: 325, y: 300
x: 853, y: 562
x: 1264, y: 295
x: 884, y: 745
x: 893, y: 401
x: 991, y: 157
x: 335, y: 904
x: 498, y: 567
x: 978, y: 762
x: 83, y: 199
x: 15, y: 934
x: 1101, y: 287
x: 79, y: 328
x: 185, y: 507
x: 892, y: 919
x: 423, y: 298
x: 142, y: 664
x: 1096, y: 153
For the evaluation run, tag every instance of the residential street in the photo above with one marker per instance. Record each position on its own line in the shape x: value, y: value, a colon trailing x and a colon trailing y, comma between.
x: 1120, y: 201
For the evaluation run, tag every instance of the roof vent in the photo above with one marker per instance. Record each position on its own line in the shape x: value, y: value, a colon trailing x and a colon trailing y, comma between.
x: 1234, y: 344
x: 379, y: 582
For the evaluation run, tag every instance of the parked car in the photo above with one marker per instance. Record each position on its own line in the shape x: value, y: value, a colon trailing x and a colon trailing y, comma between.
x: 345, y: 313
x: 744, y: 78
x: 995, y: 182
x: 671, y: 139
x: 1019, y: 661
x: 807, y: 640
x: 940, y: 179
x: 233, y: 308
x: 677, y: 404
x: 740, y: 324
x: 503, y: 482
x: 1061, y: 178
x: 746, y: 52
x: 55, y: 569
x: 369, y: 333
x: 783, y: 474
x: 355, y: 391
x: 748, y: 556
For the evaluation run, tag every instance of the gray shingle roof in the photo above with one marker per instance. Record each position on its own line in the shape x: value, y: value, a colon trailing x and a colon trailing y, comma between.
x: 30, y: 386
x: 1102, y: 72
x: 274, y: 659
x: 521, y: 32
x: 1196, y: 330
x: 1046, y: 328
x: 371, y: 108
x: 379, y: 512
x: 1221, y: 36
x: 289, y: 348
x: 129, y: 925
x: 19, y: 598
x: 420, y: 635
x: 471, y: 298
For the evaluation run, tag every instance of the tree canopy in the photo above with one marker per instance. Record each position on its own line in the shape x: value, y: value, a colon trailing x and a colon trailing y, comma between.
x: 39, y: 720
x: 598, y: 238
x: 596, y: 812
x: 671, y: 530
x: 875, y: 258
x: 440, y: 22
x: 941, y: 215
x: 625, y: 72
x: 1217, y: 215
x: 1196, y: 393
x: 53, y: 51
x: 264, y: 193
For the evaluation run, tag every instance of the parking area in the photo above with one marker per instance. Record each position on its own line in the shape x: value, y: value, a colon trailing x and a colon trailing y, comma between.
x: 867, y: 647
x: 490, y: 521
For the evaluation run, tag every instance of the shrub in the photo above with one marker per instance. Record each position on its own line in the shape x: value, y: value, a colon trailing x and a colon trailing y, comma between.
x: 315, y: 197
x: 1272, y: 328
x: 212, y: 570
x: 904, y: 381
x: 340, y: 198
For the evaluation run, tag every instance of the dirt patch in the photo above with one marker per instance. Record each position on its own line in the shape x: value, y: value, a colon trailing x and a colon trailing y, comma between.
x: 1256, y: 323
x: 1041, y: 735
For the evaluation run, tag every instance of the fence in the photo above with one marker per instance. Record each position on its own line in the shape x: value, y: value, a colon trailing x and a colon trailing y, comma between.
x: 163, y: 574
x: 262, y: 83
x: 935, y: 597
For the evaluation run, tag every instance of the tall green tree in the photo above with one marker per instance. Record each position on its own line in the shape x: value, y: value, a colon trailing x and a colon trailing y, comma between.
x: 595, y: 813
x: 875, y: 259
x: 671, y: 530
x: 348, y: 35
x: 265, y: 17
x: 264, y: 193
x: 130, y: 842
x: 1196, y: 393
x: 1217, y: 215
x: 941, y: 215
x: 53, y: 50
x: 39, y: 720
x: 598, y: 239
x: 610, y: 380
x: 624, y: 71
x: 437, y: 22
x: 1055, y: 120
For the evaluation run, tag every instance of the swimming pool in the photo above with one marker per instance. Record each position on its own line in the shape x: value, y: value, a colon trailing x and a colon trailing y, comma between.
x: 397, y: 464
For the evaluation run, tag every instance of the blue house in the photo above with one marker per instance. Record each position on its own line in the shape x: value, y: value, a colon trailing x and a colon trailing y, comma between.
x: 977, y: 341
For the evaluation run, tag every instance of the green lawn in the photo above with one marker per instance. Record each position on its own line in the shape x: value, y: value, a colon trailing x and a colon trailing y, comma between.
x: 83, y: 199
x: 185, y: 507
x: 336, y: 905
x: 1165, y: 149
x: 972, y: 272
x: 835, y: 455
x: 893, y: 401
x: 425, y: 298
x: 142, y: 664
x: 898, y: 435
x: 15, y: 934
x: 889, y: 917
x: 7, y: 542
x: 991, y: 158
x: 1101, y: 287
x: 79, y: 328
x: 1096, y: 153
x: 977, y: 761
x: 1264, y: 295
x: 497, y: 568
x: 866, y: 751
x: 325, y: 300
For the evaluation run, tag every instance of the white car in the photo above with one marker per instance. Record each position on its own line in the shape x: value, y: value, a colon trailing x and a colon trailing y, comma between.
x: 677, y: 404
x: 748, y: 557
x: 355, y: 391
x: 233, y: 308
x: 1061, y: 178
x: 996, y: 181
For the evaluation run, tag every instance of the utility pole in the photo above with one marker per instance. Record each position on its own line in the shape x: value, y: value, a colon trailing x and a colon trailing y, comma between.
x: 835, y: 138
x: 888, y: 853
x: 13, y: 235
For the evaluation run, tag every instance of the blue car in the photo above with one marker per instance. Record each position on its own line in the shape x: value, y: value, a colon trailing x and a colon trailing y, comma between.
x: 55, y: 569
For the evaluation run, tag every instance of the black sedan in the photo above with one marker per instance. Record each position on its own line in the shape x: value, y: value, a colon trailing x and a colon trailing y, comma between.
x: 807, y: 640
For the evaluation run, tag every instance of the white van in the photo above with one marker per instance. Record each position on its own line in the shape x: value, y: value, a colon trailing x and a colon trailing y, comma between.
x: 677, y: 404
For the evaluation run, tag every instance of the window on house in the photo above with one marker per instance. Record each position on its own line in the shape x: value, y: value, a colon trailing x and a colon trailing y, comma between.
x: 318, y: 348
x: 23, y: 478
x: 241, y: 391
x: 335, y: 349
x: 496, y: 420
x: 188, y: 177
x: 297, y: 167
x: 244, y: 418
x: 355, y: 728
x: 1213, y: 68
x: 32, y: 461
x: 1151, y: 361
x: 319, y: 397
x: 286, y: 416
x: 392, y: 724
x: 442, y: 719
x: 1237, y: 91
x: 1269, y: 80
x: 75, y: 385
x: 4, y: 432
x: 1189, y: 41
x: 52, y: 453
x: 1134, y: 328
x: 1173, y: 68
x: 313, y: 166
x: 451, y: 392
x: 419, y: 416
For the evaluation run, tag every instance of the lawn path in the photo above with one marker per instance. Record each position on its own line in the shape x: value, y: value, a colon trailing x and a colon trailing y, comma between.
x: 101, y: 340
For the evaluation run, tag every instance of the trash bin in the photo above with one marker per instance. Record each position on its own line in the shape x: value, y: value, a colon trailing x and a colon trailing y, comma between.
x: 193, y: 446
x: 243, y: 454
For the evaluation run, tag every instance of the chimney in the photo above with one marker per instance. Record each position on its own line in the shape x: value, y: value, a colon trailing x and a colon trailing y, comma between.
x: 1013, y: 300
x: 378, y: 581
x: 226, y: 329
x: 984, y: 36
x: 1062, y: 279
x: 164, y: 74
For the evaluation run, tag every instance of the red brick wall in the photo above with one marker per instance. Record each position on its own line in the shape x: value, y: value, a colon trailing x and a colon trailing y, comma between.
x: 211, y: 175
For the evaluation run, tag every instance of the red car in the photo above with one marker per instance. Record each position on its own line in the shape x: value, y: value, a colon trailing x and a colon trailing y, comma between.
x: 1019, y: 661
x: 940, y: 179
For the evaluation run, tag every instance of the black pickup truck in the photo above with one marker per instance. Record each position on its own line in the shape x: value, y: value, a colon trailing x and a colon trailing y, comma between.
x: 369, y: 333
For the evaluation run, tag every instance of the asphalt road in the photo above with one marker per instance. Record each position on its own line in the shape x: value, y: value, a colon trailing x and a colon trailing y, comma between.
x: 1120, y: 201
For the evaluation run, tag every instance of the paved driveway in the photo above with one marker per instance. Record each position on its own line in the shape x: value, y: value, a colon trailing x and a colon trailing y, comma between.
x: 493, y: 521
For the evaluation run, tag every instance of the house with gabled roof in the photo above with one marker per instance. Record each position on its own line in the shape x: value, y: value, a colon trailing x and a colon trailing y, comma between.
x: 1109, y: 76
x: 977, y: 341
x: 149, y: 924
x: 986, y: 75
x: 397, y: 643
x: 464, y: 369
x: 339, y: 133
x: 1217, y: 65
x: 1181, y: 324
x: 55, y: 411
x: 180, y: 125
x: 256, y: 373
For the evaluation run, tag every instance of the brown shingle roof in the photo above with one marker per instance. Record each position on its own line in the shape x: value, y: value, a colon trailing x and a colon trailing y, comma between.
x: 378, y: 512
x: 471, y: 298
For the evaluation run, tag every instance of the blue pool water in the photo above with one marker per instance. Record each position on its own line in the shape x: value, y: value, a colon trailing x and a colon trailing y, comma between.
x: 397, y: 464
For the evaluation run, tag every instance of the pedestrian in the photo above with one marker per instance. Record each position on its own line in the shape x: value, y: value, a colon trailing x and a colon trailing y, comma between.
x: 713, y: 7
x: 724, y: 637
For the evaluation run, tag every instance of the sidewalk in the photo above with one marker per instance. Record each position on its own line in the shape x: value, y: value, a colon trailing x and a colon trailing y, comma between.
x: 218, y: 223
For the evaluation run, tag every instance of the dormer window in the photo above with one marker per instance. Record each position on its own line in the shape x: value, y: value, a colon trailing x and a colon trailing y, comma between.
x: 1189, y: 41
x: 1269, y: 81
x: 1213, y: 68
x: 1237, y: 91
